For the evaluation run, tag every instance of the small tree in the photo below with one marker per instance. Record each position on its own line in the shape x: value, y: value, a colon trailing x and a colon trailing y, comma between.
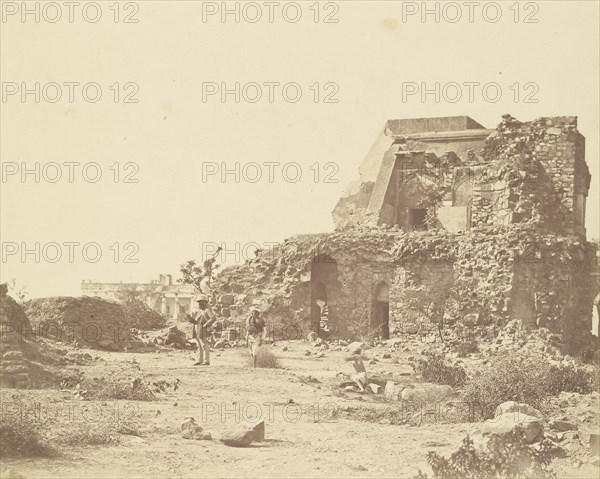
x: 137, y: 311
x: 18, y: 293
x: 195, y: 275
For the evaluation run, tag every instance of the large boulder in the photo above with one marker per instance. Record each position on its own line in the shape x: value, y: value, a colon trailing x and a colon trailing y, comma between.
x: 175, y: 337
x: 504, y: 424
x: 517, y: 408
x: 191, y: 430
x: 240, y: 437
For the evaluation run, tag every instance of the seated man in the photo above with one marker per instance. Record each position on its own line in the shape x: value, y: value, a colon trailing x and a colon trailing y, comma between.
x: 360, y: 378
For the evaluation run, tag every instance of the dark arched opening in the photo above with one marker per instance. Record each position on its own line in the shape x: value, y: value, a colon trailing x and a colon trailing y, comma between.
x: 380, y: 319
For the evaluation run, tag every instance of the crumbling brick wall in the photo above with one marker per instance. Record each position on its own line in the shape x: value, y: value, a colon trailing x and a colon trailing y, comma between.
x: 535, y: 172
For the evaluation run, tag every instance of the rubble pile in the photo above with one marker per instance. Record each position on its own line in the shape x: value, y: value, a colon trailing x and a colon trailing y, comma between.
x: 86, y: 321
x: 25, y: 362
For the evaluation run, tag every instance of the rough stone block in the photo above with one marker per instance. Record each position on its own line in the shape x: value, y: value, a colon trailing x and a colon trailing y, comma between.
x: 258, y: 428
x: 191, y: 430
x: 506, y: 423
x: 240, y: 437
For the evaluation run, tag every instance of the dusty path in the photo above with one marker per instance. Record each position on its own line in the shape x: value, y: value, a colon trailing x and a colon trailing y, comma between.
x: 304, y: 439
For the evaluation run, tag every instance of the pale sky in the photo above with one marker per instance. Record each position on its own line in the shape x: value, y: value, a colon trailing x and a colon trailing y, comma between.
x: 170, y: 53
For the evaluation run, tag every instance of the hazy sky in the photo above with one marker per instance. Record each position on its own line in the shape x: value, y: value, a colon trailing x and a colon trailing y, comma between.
x: 173, y: 54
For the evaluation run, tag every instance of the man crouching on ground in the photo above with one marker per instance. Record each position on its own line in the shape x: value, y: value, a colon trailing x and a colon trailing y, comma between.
x: 255, y: 330
x: 202, y: 321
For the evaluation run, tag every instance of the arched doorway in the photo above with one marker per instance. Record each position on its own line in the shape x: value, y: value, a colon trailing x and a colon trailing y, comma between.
x: 323, y: 279
x: 380, y: 319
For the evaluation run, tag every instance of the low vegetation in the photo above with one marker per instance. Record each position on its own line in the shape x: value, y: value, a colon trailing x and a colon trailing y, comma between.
x: 523, y: 379
x: 43, y: 429
x: 507, y: 457
x: 113, y: 387
x: 20, y: 437
x: 433, y: 368
x: 265, y: 359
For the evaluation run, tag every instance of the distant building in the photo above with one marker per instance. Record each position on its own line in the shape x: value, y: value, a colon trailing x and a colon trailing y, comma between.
x: 171, y: 300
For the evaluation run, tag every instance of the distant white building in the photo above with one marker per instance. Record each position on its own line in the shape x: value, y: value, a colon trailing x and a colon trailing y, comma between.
x: 171, y: 300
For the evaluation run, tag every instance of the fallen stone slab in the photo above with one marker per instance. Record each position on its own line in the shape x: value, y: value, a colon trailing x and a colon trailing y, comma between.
x: 258, y: 428
x: 240, y: 437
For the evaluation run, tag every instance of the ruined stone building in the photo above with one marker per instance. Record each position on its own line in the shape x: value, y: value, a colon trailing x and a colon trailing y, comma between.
x: 466, y: 176
x: 162, y: 295
x: 450, y: 223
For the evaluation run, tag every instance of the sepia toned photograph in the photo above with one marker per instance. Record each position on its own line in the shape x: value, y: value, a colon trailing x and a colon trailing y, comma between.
x: 300, y: 239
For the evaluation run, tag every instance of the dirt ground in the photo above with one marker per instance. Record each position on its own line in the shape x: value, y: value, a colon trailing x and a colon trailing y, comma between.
x: 311, y: 426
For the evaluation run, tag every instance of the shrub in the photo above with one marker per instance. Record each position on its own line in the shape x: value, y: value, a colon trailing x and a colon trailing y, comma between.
x: 20, y: 437
x: 265, y: 359
x: 510, y: 378
x: 571, y: 379
x: 35, y: 428
x: 434, y: 369
x: 505, y: 456
x: 523, y: 379
x: 139, y: 315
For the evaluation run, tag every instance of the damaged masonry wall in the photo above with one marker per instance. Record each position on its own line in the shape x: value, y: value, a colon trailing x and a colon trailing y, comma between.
x: 491, y: 275
x: 465, y: 237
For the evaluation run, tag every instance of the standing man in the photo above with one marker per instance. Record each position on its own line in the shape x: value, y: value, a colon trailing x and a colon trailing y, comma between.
x: 255, y: 330
x: 202, y: 321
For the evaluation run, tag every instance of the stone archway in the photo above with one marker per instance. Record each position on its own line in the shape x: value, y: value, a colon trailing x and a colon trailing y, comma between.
x: 380, y: 318
x: 323, y: 280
